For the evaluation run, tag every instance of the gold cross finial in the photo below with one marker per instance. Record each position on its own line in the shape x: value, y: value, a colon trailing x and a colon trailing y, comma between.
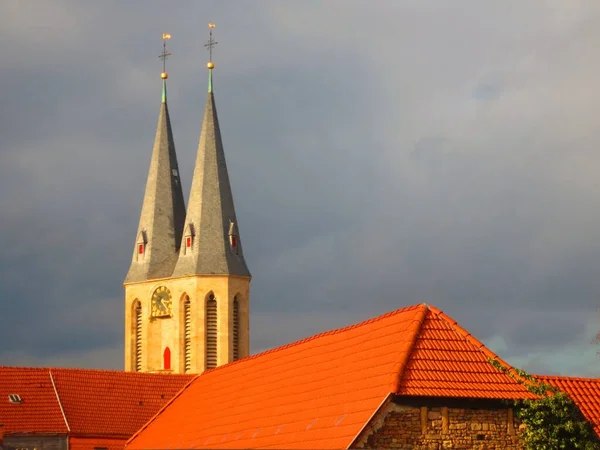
x: 211, y: 43
x: 164, y: 55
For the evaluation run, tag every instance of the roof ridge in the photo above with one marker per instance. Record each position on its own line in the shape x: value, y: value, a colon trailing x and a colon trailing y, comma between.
x: 58, y: 399
x: 88, y: 370
x: 41, y: 369
x: 317, y: 336
x: 407, y: 348
x: 566, y: 377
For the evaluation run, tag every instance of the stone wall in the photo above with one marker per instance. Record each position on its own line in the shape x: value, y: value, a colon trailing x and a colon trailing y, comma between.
x: 440, y: 427
x: 28, y: 441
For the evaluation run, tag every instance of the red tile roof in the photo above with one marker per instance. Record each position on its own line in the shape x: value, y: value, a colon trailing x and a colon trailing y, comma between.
x: 585, y: 393
x: 39, y: 412
x: 101, y: 402
x: 320, y: 392
x: 94, y: 402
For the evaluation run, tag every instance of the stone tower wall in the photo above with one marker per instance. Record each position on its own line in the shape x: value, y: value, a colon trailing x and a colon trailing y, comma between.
x: 159, y: 333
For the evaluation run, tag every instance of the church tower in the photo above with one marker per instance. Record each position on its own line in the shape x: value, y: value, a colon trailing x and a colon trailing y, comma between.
x: 187, y: 302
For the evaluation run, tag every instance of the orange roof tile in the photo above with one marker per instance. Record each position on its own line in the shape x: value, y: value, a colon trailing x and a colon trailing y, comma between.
x: 585, y: 393
x: 94, y: 402
x: 447, y: 361
x: 320, y: 392
x: 90, y: 443
x: 39, y: 412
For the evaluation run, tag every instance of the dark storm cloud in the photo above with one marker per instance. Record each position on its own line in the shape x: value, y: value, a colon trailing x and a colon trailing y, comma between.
x: 379, y: 157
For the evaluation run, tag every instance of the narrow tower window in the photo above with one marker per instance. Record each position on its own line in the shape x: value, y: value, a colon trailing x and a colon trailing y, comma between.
x: 236, y: 328
x: 141, y: 245
x: 167, y: 359
x: 187, y: 335
x: 211, y: 331
x: 233, y: 238
x: 138, y: 337
x: 188, y: 238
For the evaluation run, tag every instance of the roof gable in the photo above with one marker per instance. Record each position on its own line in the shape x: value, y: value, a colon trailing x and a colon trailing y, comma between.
x: 39, y: 411
x: 320, y: 392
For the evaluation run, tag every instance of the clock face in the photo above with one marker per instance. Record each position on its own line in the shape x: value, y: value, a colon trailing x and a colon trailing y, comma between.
x: 161, y: 302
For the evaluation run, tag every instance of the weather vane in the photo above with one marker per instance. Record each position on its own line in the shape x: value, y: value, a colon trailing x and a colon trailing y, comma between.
x: 211, y: 43
x: 164, y: 55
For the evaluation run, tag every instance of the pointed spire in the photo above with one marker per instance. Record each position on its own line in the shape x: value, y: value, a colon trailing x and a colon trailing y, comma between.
x: 211, y: 242
x: 163, y: 210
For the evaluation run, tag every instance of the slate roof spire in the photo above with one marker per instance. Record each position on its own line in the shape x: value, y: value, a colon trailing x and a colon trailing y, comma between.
x: 163, y: 209
x: 211, y: 242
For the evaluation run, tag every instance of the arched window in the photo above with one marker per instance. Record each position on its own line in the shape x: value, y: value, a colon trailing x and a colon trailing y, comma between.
x: 211, y: 331
x: 167, y: 359
x: 187, y: 335
x: 138, y: 336
x: 236, y: 328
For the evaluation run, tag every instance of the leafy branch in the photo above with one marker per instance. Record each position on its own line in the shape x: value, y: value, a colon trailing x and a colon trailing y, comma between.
x: 551, y: 421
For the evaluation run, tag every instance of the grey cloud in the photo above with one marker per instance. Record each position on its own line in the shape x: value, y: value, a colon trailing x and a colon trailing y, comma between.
x: 366, y: 176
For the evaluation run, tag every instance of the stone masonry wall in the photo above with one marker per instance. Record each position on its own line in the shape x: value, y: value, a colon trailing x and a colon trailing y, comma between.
x: 437, y: 428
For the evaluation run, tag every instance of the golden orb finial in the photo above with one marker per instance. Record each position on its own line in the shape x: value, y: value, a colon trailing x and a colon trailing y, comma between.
x: 164, y: 55
x: 211, y: 43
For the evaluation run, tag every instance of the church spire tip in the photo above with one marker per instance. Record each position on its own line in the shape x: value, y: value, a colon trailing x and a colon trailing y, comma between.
x: 210, y: 64
x: 164, y: 75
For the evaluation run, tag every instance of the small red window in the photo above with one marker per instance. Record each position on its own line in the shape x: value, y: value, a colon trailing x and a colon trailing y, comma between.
x: 141, y: 249
x: 233, y: 241
x: 167, y: 359
x: 188, y: 241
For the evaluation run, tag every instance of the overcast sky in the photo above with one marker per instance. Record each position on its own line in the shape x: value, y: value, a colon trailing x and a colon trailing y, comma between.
x: 381, y: 154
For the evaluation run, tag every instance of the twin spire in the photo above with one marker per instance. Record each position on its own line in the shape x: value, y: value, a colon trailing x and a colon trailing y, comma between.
x: 205, y: 239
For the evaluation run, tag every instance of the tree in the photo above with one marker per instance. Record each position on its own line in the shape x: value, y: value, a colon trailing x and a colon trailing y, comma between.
x: 552, y: 421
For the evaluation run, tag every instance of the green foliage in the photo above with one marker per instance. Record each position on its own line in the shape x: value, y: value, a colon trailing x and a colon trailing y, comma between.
x: 552, y: 421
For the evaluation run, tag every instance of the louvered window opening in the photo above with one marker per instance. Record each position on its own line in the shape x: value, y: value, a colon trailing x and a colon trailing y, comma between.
x: 236, y: 329
x: 138, y: 338
x: 211, y: 332
x: 187, y: 336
